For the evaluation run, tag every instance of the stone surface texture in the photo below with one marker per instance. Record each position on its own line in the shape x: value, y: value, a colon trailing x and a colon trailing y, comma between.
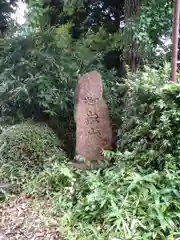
x: 93, y: 129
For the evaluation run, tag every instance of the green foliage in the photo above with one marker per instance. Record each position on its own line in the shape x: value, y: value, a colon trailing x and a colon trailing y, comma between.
x: 39, y: 72
x: 37, y: 16
x: 145, y: 22
x: 57, y: 178
x: 73, y: 4
x: 150, y: 118
x: 145, y: 30
x: 116, y: 202
x: 27, y: 146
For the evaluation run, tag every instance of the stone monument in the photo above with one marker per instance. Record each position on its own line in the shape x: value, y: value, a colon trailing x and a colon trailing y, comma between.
x: 93, y: 129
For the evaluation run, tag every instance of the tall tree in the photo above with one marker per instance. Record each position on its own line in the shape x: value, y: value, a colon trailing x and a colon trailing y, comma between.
x: 144, y: 23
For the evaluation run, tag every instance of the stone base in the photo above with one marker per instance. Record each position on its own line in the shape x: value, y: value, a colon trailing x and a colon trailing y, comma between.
x: 94, y: 165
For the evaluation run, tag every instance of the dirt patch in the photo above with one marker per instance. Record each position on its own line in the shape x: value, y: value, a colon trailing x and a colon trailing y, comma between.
x: 20, y: 220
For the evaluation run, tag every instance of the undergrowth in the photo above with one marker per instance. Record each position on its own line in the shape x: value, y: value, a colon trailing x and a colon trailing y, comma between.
x: 121, y: 202
x: 150, y: 117
x: 138, y: 197
x: 27, y: 147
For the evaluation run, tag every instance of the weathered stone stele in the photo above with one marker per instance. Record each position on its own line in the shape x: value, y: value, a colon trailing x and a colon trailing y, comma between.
x: 93, y: 129
x: 89, y: 88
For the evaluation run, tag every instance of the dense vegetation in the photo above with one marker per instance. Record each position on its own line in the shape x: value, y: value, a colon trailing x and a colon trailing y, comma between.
x: 26, y: 147
x: 138, y: 196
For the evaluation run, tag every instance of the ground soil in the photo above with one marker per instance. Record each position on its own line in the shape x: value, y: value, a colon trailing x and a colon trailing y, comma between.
x: 20, y: 219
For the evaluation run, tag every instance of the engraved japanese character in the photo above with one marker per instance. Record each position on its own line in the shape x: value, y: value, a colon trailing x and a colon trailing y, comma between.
x: 94, y: 131
x: 92, y: 117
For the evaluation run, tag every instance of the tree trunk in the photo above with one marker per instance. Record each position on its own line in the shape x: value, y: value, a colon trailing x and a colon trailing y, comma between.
x: 132, y: 56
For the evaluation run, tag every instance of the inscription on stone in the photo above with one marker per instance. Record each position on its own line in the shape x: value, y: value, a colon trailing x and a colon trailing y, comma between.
x: 93, y: 130
x: 92, y: 118
x: 89, y: 88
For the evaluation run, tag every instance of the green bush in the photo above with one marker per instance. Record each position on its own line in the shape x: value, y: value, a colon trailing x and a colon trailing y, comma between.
x: 130, y: 200
x: 38, y: 72
x: 150, y: 118
x: 118, y: 202
x: 28, y: 146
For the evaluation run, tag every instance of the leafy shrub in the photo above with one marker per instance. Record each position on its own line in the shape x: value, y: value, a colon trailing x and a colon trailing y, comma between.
x: 114, y: 203
x: 27, y: 146
x: 130, y: 200
x: 58, y: 179
x: 150, y: 118
x: 41, y: 70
